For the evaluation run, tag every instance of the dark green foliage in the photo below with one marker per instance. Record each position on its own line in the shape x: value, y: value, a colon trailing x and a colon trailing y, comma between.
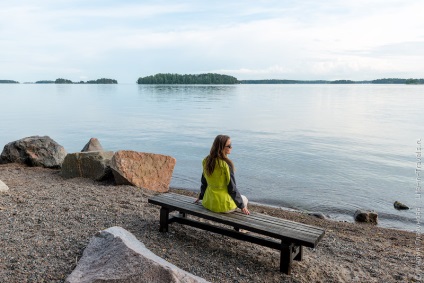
x: 273, y: 81
x: 389, y: 81
x: 62, y: 81
x: 8, y: 82
x: 398, y: 81
x: 45, y: 82
x: 188, y: 79
x: 343, y: 82
x: 414, y: 81
x: 102, y: 81
x: 379, y: 81
x: 98, y: 81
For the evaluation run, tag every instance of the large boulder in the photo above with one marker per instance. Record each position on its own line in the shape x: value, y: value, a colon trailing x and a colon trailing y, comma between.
x: 145, y: 170
x: 34, y: 151
x: 92, y: 145
x: 366, y: 216
x: 94, y: 165
x: 115, y: 255
x: 3, y: 187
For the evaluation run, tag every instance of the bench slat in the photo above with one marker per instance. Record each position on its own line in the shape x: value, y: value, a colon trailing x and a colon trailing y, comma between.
x: 262, y: 217
x: 281, y: 226
x: 284, y: 224
x: 263, y: 224
x: 273, y: 221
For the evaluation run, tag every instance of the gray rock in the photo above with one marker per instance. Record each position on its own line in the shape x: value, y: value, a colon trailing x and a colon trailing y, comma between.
x: 319, y: 215
x: 115, y: 255
x: 400, y: 206
x: 3, y: 187
x: 94, y: 165
x: 34, y: 151
x: 92, y: 145
x: 366, y: 216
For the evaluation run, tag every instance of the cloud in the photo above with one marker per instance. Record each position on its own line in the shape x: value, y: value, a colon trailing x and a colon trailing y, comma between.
x: 299, y: 39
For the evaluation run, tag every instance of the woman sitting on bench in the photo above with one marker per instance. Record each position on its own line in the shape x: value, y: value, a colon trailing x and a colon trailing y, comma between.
x: 218, y: 191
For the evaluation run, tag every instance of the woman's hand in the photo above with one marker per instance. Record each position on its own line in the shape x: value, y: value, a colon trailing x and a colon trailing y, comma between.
x: 245, y: 210
x: 197, y: 200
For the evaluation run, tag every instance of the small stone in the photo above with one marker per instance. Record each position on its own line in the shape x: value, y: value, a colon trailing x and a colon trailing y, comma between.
x: 3, y: 187
x: 366, y: 216
x: 400, y: 206
x: 319, y: 215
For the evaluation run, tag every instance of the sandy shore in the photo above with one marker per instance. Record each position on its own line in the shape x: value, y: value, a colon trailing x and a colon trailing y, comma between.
x: 47, y: 221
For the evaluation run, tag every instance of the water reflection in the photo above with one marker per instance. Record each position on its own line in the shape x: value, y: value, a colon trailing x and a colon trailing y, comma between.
x: 193, y: 93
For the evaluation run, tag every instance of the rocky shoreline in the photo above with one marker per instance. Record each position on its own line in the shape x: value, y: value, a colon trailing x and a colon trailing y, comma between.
x: 47, y: 222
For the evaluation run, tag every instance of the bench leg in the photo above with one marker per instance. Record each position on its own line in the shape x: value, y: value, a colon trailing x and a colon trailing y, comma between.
x: 163, y: 221
x: 286, y: 258
x: 299, y: 255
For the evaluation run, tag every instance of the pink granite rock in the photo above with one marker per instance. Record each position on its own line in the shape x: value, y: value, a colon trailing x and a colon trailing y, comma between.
x: 145, y: 170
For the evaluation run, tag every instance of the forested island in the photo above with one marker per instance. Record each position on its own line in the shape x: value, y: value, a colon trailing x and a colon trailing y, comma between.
x: 8, y: 82
x: 65, y: 81
x: 209, y: 78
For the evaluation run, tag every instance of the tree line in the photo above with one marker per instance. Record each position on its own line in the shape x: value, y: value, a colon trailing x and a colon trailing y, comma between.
x: 378, y: 81
x: 209, y: 78
x: 65, y: 81
x: 275, y: 81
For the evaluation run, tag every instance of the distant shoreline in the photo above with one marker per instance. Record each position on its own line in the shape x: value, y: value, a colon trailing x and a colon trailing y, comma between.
x: 378, y: 81
x: 64, y: 81
x: 217, y: 79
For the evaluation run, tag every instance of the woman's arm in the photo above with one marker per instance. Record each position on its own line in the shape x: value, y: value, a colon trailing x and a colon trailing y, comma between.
x: 203, y: 187
x: 233, y: 192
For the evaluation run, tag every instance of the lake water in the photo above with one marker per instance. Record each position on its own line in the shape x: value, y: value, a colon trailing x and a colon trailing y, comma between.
x: 326, y: 148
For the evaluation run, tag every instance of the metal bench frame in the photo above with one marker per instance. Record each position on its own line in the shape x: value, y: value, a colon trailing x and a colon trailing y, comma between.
x: 290, y: 236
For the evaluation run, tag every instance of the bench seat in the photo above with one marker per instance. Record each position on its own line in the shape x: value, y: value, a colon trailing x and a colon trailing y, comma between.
x: 284, y: 235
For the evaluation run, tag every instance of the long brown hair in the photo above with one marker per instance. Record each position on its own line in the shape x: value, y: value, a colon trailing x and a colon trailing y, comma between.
x: 217, y: 152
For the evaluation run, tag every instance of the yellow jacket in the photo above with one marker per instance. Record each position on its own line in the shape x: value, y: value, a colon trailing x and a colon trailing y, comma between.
x: 215, y: 188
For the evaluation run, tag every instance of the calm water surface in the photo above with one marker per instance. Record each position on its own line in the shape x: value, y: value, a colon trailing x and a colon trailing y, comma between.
x: 327, y: 148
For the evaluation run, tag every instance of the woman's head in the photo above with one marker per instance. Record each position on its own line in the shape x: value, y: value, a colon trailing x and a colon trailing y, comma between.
x: 221, y: 147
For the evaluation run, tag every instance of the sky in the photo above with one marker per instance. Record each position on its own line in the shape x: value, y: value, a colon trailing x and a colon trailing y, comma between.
x: 284, y: 39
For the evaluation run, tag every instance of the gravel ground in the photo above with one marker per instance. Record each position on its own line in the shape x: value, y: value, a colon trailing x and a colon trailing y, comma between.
x: 47, y: 221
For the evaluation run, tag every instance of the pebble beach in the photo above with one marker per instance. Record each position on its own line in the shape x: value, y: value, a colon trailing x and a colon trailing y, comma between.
x: 46, y: 222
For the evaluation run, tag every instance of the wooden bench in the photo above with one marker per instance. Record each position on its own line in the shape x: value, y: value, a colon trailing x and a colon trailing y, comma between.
x: 289, y: 237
